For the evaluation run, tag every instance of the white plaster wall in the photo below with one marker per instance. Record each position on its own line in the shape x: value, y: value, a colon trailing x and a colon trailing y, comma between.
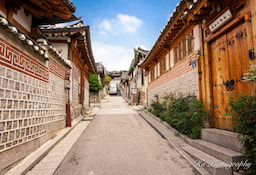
x: 197, y: 38
x: 158, y: 69
x: 25, y: 21
x: 171, y: 58
x: 63, y: 47
x: 155, y: 70
x: 86, y: 93
x: 3, y: 14
x: 167, y: 61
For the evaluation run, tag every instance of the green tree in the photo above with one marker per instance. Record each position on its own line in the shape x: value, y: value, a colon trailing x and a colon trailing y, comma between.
x: 107, y: 80
x: 250, y: 76
x: 94, y: 83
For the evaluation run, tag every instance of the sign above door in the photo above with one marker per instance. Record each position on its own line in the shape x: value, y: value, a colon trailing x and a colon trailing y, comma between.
x: 220, y: 21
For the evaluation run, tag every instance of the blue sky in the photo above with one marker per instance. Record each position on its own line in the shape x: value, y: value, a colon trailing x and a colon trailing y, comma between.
x: 118, y: 26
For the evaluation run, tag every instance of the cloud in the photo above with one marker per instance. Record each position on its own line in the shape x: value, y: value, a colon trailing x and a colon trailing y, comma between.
x: 120, y: 24
x: 130, y: 23
x: 105, y: 25
x: 113, y: 57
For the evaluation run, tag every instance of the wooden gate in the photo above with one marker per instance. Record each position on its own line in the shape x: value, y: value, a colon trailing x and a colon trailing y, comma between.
x: 230, y: 61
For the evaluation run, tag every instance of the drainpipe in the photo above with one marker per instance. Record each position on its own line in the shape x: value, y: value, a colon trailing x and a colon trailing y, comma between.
x: 68, y: 111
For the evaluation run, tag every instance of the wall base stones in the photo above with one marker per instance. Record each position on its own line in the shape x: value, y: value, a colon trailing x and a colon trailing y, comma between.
x: 186, y: 84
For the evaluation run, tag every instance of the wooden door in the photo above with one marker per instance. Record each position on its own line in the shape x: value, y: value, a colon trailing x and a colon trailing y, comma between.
x: 230, y: 61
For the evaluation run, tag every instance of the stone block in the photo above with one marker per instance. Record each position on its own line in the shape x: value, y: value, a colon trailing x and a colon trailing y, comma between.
x: 11, y: 85
x: 15, y: 75
x: 2, y: 126
x: 6, y: 115
x: 12, y: 115
x: 1, y: 92
x: 14, y: 94
x: 9, y: 73
x: 9, y: 125
x: 5, y: 137
x: 11, y: 136
x: 2, y: 71
x: 5, y: 83
x: 9, y: 104
x: 223, y: 138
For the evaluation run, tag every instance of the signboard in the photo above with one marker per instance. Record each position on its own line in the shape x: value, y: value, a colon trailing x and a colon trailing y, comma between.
x: 134, y: 91
x: 220, y: 21
x: 193, y: 63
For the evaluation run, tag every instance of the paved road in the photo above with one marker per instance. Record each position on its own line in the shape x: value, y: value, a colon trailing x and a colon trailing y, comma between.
x: 120, y: 142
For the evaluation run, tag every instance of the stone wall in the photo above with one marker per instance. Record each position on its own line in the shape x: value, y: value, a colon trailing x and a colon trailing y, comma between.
x: 76, y: 108
x: 181, y: 79
x: 32, y: 102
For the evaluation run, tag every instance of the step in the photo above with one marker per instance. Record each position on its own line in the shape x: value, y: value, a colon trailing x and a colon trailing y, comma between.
x: 223, y: 138
x: 222, y: 153
x: 213, y: 165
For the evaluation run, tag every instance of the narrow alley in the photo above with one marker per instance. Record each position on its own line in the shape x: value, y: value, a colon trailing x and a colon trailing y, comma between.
x: 119, y: 141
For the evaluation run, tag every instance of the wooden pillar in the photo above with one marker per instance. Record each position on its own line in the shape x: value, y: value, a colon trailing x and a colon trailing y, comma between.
x: 253, y: 21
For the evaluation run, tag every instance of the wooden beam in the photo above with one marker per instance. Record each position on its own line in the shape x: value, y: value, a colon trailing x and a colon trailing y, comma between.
x: 199, y: 17
x: 198, y: 7
x: 211, y: 3
x: 204, y: 11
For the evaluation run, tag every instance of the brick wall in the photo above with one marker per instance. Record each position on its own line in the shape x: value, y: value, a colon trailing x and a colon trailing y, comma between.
x: 182, y: 78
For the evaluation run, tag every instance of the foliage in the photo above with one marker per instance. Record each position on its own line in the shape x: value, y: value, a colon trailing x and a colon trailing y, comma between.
x: 150, y: 110
x: 243, y: 111
x: 157, y: 107
x: 250, y: 75
x: 186, y: 114
x: 107, y: 80
x: 94, y: 83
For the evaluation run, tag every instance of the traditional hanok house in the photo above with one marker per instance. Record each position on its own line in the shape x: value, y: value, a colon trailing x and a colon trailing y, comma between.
x: 229, y: 42
x: 101, y: 73
x: 74, y: 43
x: 124, y: 84
x: 204, y: 49
x: 32, y: 75
x: 171, y: 64
x: 137, y: 82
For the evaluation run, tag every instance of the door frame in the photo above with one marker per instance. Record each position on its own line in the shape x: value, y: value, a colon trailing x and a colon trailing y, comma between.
x: 206, y: 66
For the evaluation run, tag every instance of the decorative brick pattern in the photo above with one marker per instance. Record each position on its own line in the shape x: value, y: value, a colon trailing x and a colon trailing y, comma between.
x: 57, y: 69
x: 27, y: 106
x: 182, y: 78
x: 17, y: 60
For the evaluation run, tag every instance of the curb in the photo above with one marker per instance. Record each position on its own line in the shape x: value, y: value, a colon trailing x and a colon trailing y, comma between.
x: 35, y: 157
x: 182, y: 137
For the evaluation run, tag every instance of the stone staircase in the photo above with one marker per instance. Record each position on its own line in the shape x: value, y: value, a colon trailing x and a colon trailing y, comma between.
x: 215, y: 151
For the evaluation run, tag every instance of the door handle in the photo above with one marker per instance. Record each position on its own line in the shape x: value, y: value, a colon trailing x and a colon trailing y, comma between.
x: 229, y: 85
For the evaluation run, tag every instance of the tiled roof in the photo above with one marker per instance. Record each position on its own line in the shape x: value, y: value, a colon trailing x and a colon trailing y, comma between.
x: 70, y: 5
x: 4, y: 23
x: 69, y: 30
x: 171, y: 20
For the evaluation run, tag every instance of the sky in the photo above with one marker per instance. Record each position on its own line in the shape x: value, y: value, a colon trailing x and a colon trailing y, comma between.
x: 119, y: 26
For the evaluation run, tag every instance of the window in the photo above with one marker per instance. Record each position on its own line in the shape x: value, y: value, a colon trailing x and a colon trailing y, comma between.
x: 152, y: 74
x: 162, y: 66
x: 183, y: 48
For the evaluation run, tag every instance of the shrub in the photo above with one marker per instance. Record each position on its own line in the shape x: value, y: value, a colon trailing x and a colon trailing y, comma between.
x: 186, y: 114
x: 156, y: 107
x: 243, y: 111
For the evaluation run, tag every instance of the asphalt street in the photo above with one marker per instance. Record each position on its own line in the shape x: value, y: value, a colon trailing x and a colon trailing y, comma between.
x: 120, y: 142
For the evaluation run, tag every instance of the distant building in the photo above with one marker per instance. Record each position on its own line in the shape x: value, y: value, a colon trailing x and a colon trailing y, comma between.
x: 137, y: 82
